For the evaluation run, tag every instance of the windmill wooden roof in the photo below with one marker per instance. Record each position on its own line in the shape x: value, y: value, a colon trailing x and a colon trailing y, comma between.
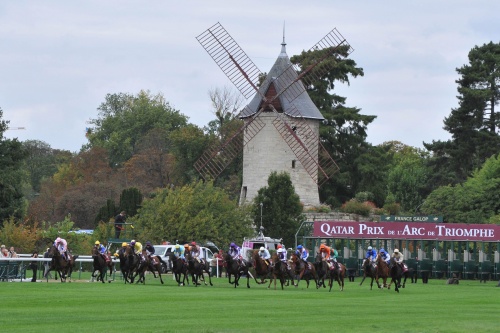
x: 273, y: 83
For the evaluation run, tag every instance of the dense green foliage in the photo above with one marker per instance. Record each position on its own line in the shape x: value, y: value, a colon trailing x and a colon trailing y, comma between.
x: 474, y: 124
x: 195, y: 212
x: 432, y: 307
x: 281, y: 208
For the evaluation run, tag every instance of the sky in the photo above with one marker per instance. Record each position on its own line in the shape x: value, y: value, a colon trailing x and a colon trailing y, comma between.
x: 59, y: 59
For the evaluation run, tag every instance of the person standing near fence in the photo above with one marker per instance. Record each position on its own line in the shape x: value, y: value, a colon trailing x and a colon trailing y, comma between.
x: 34, y: 266
x: 119, y: 223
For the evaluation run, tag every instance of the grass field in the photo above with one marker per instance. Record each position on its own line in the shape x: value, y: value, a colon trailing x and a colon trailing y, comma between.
x: 82, y: 306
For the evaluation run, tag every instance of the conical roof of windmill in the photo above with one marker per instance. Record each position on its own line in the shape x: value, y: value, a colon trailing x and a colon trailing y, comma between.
x: 290, y: 103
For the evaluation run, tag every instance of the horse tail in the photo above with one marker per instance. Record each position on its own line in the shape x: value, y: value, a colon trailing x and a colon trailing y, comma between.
x: 161, y: 260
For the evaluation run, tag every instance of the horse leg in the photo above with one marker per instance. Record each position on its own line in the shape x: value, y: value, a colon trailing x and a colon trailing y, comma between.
x: 364, y: 277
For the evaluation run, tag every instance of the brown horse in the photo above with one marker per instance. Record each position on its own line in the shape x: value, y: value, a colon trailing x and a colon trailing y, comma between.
x: 303, y: 270
x: 61, y: 265
x: 263, y: 270
x: 237, y: 269
x: 197, y: 270
x: 368, y: 271
x: 396, y: 273
x: 179, y: 268
x: 134, y: 265
x: 279, y: 271
x: 101, y: 265
x: 382, y: 271
x: 337, y: 273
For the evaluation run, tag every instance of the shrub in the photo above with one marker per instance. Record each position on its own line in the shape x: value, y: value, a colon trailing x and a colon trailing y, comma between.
x: 355, y: 207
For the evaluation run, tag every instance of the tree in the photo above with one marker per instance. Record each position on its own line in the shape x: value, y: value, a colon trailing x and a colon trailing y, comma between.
x: 12, y: 177
x: 474, y: 124
x: 195, y: 212
x: 343, y: 132
x: 281, y: 208
x: 226, y: 104
x: 407, y: 177
x: 124, y: 119
x: 475, y: 201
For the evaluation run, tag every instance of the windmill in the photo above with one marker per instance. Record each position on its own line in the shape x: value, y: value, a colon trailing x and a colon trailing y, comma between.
x: 280, y: 123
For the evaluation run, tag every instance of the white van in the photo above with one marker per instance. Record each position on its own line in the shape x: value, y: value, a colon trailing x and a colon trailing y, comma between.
x: 163, y: 250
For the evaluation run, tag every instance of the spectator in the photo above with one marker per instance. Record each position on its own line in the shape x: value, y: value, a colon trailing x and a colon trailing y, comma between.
x: 34, y: 266
x: 12, y: 253
x: 119, y: 223
x: 46, y: 265
x: 4, y: 253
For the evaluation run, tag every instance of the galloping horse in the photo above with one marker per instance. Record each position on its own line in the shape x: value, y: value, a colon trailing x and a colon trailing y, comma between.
x: 280, y: 271
x: 197, y: 270
x: 335, y: 272
x: 396, y: 273
x: 179, y: 268
x: 234, y: 268
x: 100, y: 266
x: 382, y: 271
x: 370, y: 271
x: 134, y: 265
x: 303, y: 270
x: 60, y: 265
x: 262, y: 269
x: 124, y: 263
x: 154, y: 265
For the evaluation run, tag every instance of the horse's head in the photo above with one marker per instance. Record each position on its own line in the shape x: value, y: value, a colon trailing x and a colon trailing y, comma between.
x: 53, y: 251
x: 95, y: 251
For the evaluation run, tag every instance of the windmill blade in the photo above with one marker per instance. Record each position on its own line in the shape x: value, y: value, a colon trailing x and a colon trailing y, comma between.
x: 330, y: 44
x: 229, y: 56
x: 214, y: 160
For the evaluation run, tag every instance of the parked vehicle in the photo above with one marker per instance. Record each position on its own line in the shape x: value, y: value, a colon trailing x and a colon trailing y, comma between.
x: 251, y: 244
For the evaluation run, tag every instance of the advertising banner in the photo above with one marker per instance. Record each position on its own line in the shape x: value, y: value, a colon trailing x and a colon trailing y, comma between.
x: 411, y: 230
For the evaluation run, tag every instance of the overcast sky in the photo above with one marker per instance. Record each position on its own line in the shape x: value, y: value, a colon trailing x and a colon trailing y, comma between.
x: 59, y: 59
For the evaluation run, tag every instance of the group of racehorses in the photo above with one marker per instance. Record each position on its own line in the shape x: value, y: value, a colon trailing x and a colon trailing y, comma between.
x: 133, y: 265
x: 380, y: 269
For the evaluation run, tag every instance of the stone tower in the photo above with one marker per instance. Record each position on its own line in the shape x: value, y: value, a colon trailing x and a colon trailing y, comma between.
x: 268, y: 151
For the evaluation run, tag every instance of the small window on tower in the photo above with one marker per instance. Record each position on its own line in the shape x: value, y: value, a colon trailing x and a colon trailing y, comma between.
x: 293, y: 164
x: 244, y: 192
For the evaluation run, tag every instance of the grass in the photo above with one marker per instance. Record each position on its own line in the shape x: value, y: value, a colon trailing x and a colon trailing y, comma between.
x: 89, y: 307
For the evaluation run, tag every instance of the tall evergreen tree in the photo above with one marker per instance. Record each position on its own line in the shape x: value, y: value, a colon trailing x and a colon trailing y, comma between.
x: 474, y: 124
x: 12, y: 177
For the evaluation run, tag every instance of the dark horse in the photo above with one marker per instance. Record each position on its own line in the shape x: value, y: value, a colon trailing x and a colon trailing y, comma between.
x: 237, y: 269
x: 262, y: 269
x: 280, y: 271
x: 382, y: 271
x: 396, y: 273
x: 197, y: 270
x: 134, y: 265
x: 336, y: 272
x: 154, y: 265
x: 304, y: 270
x: 369, y: 271
x: 123, y: 263
x: 101, y: 265
x: 62, y: 266
x: 179, y: 268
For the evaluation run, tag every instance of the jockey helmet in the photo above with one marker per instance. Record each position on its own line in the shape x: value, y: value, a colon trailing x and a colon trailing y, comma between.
x: 262, y: 249
x: 280, y: 250
x: 132, y: 242
x: 396, y: 251
x: 279, y: 246
x: 193, y: 243
x: 97, y: 243
x: 322, y: 246
x: 148, y: 243
x: 232, y: 245
x: 299, y: 247
x: 58, y: 239
x: 124, y: 244
x: 177, y: 246
x: 369, y: 247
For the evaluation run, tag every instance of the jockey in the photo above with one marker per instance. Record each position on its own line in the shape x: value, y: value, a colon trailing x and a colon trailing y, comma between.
x: 398, y: 257
x: 282, y: 255
x: 325, y: 254
x: 149, y: 249
x: 101, y: 249
x: 62, y: 246
x: 137, y: 246
x: 264, y: 254
x: 121, y: 250
x: 179, y: 252
x: 302, y: 253
x: 385, y: 255
x: 196, y: 252
x: 334, y: 256
x: 284, y: 249
x: 371, y: 254
x: 235, y: 252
